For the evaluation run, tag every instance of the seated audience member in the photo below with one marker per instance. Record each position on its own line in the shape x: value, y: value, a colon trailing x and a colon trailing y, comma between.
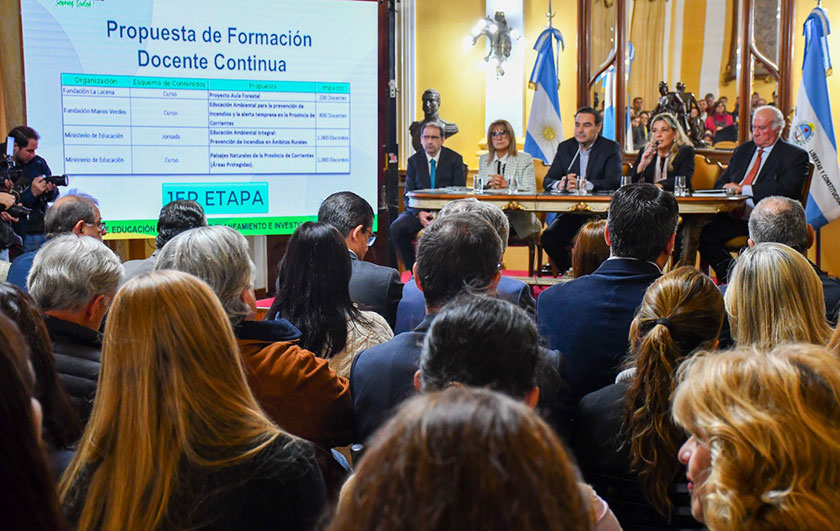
x: 317, y: 299
x: 434, y: 167
x: 71, y: 214
x: 764, y: 426
x: 73, y: 280
x: 29, y: 499
x: 61, y: 425
x: 638, y: 105
x: 459, y: 253
x: 483, y: 341
x: 175, y: 217
x: 639, y: 133
x: 589, y: 155
x: 504, y: 162
x: 782, y: 220
x: 464, y: 459
x: 412, y: 308
x: 624, y: 439
x: 372, y: 286
x: 718, y: 118
x: 591, y: 249
x: 668, y: 154
x: 295, y: 388
x: 587, y: 319
x: 764, y: 166
x: 176, y: 439
x: 774, y: 297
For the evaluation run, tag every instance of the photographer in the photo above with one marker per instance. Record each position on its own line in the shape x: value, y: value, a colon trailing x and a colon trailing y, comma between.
x: 35, y: 191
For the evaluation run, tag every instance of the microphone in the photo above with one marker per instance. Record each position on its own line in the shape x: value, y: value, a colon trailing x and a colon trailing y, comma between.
x: 573, y: 159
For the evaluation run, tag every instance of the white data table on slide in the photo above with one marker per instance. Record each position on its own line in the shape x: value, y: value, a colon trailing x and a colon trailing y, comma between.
x: 268, y: 128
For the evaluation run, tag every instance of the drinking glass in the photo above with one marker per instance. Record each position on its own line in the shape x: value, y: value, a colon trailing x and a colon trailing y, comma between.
x: 581, y: 186
x: 680, y: 188
x: 626, y: 179
x: 478, y: 184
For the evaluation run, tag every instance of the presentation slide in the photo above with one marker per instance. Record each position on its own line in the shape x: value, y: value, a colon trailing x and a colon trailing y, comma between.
x: 257, y: 109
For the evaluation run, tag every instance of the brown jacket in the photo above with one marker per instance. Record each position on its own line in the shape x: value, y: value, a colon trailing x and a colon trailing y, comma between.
x: 296, y: 389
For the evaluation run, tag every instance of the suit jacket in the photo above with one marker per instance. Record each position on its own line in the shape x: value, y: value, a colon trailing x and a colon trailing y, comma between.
x: 783, y: 173
x: 375, y: 287
x: 588, y: 319
x: 381, y: 377
x: 831, y: 293
x: 522, y: 167
x: 450, y: 171
x: 135, y: 268
x: 603, y: 169
x: 19, y: 270
x: 412, y: 307
x: 683, y: 165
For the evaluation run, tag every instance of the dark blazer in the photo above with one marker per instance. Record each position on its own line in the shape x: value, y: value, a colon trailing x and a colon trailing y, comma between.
x: 412, y: 307
x: 587, y: 319
x: 683, y: 165
x: 450, y: 171
x: 375, y: 287
x: 831, y: 293
x: 603, y: 169
x: 783, y: 173
x: 77, y: 358
x: 605, y: 462
x: 381, y: 377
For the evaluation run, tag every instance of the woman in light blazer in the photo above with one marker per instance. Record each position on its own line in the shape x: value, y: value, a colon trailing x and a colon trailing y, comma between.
x: 503, y: 162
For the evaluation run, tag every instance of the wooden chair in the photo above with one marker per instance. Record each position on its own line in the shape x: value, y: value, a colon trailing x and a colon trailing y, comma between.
x: 706, y: 172
x: 726, y: 144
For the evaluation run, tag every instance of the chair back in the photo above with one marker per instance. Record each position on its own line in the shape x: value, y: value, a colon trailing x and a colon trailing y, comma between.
x: 540, y: 171
x: 806, y: 185
x: 706, y: 173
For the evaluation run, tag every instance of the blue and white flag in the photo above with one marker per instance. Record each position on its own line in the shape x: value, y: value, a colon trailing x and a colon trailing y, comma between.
x: 545, y: 129
x: 608, y: 81
x: 812, y: 128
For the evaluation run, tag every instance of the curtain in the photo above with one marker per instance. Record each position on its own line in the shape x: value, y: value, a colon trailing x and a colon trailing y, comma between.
x: 12, y: 111
x: 647, y: 33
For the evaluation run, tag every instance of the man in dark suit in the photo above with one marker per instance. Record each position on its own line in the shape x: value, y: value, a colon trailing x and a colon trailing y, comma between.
x: 434, y: 167
x: 764, y: 166
x: 412, y: 308
x: 588, y: 319
x: 455, y: 254
x: 589, y: 155
x: 780, y: 219
x: 372, y: 286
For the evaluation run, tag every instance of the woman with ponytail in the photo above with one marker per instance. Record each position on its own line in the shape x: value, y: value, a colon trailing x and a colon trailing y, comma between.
x: 624, y: 437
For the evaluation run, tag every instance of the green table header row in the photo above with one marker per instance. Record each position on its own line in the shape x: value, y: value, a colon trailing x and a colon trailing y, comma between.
x: 94, y: 80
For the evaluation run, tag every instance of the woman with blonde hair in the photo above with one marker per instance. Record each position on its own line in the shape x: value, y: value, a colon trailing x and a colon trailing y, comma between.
x: 625, y: 440
x: 764, y: 450
x: 668, y: 154
x: 773, y: 297
x: 464, y: 458
x: 176, y: 439
x: 502, y: 163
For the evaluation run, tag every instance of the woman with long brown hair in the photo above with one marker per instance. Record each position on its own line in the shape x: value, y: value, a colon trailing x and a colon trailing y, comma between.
x: 464, y: 458
x: 61, y: 425
x: 176, y: 439
x: 668, y: 154
x: 624, y: 439
x: 27, y: 499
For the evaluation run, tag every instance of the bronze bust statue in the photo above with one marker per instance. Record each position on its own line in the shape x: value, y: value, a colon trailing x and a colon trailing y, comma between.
x: 680, y: 104
x: 431, y: 109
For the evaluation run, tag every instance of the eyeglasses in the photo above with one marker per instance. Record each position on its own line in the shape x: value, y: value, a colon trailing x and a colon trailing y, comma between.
x: 371, y: 238
x: 100, y: 226
x: 494, y: 134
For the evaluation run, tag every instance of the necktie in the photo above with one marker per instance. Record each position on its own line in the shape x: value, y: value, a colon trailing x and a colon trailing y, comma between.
x: 432, y: 173
x: 754, y: 171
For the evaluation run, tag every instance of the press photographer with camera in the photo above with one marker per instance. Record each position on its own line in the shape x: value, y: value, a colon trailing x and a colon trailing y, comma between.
x: 26, y: 176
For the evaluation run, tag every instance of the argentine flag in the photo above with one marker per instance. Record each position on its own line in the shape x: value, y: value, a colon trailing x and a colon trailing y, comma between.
x: 608, y: 81
x: 812, y: 128
x: 545, y: 130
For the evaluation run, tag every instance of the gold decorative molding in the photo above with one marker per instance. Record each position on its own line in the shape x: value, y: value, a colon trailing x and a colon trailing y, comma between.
x: 513, y: 205
x: 581, y: 207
